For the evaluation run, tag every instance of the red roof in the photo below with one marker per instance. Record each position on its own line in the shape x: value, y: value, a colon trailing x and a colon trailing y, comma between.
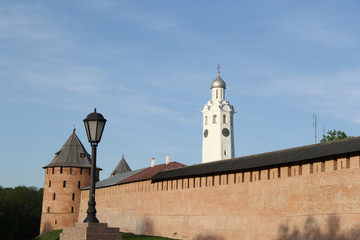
x: 147, y: 173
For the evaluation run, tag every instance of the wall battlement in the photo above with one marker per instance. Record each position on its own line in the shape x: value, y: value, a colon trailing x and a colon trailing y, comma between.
x: 247, y: 176
x: 252, y: 203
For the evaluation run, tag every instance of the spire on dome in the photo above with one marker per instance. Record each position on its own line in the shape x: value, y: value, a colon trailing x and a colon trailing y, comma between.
x: 218, y: 81
x: 121, y: 167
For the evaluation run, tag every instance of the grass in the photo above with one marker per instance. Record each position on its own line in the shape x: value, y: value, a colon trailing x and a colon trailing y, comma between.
x: 132, y: 236
x: 54, y: 235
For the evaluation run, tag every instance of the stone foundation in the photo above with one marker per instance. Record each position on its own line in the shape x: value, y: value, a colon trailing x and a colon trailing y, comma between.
x: 90, y: 231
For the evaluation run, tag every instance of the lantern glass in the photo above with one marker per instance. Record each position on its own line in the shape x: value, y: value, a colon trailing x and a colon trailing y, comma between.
x: 94, y: 125
x: 100, y: 129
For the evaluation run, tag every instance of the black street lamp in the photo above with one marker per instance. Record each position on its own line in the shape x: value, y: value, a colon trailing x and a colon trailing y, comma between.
x: 94, y: 125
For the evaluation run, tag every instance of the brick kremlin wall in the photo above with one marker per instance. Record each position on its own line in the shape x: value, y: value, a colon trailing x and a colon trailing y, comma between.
x: 254, y: 204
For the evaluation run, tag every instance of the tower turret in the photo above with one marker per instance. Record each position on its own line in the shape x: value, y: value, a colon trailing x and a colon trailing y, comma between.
x: 64, y: 176
x: 218, y: 128
x: 121, y: 167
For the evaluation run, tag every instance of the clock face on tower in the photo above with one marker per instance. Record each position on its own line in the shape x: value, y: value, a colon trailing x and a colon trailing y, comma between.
x: 206, y: 133
x: 225, y: 132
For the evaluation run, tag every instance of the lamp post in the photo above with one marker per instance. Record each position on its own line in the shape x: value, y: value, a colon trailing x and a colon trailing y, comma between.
x: 94, y: 125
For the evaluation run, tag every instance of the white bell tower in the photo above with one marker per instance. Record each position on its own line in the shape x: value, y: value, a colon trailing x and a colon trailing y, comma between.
x: 218, y: 128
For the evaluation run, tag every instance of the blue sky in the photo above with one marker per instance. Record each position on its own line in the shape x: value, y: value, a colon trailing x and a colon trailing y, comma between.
x: 147, y: 67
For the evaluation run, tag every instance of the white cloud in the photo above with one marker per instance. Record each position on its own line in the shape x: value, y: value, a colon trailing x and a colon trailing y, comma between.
x: 320, y: 32
x: 157, y: 84
x: 333, y: 94
x: 320, y: 28
x: 151, y: 21
x: 27, y: 24
x: 135, y: 13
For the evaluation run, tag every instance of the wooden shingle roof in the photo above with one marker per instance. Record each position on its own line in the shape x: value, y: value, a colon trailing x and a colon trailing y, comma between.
x: 72, y: 154
x: 121, y: 167
x: 265, y: 160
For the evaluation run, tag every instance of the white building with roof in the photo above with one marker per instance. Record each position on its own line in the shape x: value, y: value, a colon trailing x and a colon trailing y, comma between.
x: 218, y: 127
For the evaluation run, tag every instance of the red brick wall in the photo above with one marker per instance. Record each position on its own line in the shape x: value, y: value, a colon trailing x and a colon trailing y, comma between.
x: 245, y: 205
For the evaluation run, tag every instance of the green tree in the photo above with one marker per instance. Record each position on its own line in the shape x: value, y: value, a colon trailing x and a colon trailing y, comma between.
x: 333, y: 135
x: 20, y: 212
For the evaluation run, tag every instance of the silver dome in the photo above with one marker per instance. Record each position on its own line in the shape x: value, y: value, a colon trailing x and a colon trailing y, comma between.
x: 218, y: 83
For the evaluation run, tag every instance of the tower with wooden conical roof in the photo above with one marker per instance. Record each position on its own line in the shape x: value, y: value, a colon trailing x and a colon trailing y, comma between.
x: 121, y: 167
x: 65, y: 175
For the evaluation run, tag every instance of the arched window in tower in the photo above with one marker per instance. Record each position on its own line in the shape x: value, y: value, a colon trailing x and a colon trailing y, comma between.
x: 61, y: 170
x: 48, y: 210
x: 78, y: 184
x: 217, y: 94
x: 71, y: 170
x: 214, y: 119
x: 206, y: 120
x: 73, y: 196
x: 72, y: 209
x: 224, y: 118
x: 80, y: 171
x: 54, y: 196
x: 50, y: 184
x: 53, y: 170
x: 64, y: 184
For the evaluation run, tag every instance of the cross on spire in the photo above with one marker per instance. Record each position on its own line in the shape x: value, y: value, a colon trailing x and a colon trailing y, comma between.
x: 218, y: 68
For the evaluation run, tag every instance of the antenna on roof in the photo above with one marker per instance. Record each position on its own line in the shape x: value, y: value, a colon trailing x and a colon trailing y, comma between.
x: 315, y: 125
x: 74, y: 128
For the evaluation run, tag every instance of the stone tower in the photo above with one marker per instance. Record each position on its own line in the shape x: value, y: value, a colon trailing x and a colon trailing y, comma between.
x: 218, y: 128
x: 64, y: 176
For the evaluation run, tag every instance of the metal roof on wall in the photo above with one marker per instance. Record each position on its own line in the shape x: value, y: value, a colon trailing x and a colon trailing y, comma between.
x: 135, y: 176
x: 149, y: 172
x: 114, y: 180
